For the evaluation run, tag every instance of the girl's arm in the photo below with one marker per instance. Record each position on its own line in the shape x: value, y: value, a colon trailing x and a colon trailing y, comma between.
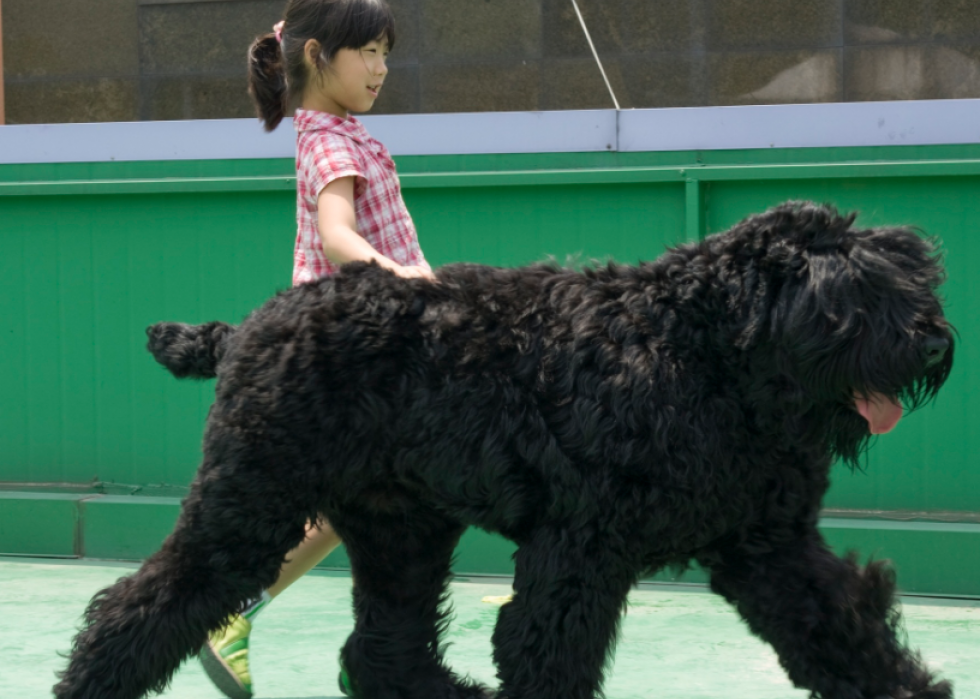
x: 337, y: 224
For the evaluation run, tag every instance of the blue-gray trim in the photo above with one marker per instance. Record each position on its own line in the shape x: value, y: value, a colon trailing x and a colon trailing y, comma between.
x: 232, y: 139
x: 927, y: 122
x: 916, y: 123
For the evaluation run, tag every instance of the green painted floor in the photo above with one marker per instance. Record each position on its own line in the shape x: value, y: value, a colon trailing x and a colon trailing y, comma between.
x: 676, y: 642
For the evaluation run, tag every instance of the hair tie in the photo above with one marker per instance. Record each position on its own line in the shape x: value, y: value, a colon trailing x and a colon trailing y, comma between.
x: 278, y: 30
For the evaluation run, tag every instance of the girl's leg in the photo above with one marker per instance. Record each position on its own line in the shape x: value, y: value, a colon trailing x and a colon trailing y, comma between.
x: 320, y: 541
x: 225, y: 655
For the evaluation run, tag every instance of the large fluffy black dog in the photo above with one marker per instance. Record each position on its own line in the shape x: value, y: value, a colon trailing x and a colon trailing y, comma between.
x: 611, y: 422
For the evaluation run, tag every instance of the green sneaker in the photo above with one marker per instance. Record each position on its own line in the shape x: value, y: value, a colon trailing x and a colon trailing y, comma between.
x: 345, y: 682
x: 225, y: 658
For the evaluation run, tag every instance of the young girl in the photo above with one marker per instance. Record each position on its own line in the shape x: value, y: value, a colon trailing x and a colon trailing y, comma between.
x: 329, y: 56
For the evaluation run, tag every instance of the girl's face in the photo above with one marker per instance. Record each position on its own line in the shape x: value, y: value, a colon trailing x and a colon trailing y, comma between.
x: 352, y: 80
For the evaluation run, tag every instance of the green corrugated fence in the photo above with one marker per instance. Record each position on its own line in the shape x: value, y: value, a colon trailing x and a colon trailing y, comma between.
x: 92, y: 253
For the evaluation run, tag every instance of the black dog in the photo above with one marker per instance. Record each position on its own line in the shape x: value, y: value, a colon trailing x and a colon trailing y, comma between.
x: 611, y: 422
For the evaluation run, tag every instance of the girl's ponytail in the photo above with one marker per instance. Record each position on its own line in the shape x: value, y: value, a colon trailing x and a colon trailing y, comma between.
x: 267, y: 80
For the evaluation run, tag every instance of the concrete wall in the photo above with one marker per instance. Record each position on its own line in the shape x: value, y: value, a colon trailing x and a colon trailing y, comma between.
x: 125, y: 60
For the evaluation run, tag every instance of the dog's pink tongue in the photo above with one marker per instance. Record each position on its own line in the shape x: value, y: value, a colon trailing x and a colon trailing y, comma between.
x: 881, y: 412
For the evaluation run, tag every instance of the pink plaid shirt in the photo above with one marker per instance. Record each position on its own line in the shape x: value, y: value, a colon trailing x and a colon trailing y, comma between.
x: 328, y: 148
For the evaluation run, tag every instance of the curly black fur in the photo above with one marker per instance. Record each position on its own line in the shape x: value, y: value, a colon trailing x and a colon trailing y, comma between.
x: 611, y: 422
x: 189, y: 350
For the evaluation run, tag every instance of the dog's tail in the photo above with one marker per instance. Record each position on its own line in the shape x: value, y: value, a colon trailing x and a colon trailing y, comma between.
x: 189, y: 350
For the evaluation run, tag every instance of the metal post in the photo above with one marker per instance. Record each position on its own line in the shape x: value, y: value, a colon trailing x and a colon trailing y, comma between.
x: 694, y: 209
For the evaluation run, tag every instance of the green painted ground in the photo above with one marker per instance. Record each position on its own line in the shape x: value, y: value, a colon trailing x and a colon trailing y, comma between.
x: 676, y: 643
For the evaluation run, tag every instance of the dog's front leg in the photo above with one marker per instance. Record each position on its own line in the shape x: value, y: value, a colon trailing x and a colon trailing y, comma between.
x: 553, y: 639
x: 833, y: 624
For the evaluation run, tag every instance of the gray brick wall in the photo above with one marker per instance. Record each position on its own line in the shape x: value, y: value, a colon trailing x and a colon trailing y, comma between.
x: 121, y: 60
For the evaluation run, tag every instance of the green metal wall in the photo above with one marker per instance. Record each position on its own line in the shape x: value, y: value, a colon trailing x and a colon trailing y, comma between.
x: 90, y: 254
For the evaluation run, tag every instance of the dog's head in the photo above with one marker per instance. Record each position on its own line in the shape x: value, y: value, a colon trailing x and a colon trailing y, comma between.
x: 850, y: 319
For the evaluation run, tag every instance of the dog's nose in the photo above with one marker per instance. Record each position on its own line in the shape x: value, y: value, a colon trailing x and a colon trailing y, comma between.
x: 934, y: 349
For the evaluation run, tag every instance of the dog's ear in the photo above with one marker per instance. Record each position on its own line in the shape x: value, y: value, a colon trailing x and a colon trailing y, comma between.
x: 830, y: 280
x: 796, y: 226
x: 818, y: 306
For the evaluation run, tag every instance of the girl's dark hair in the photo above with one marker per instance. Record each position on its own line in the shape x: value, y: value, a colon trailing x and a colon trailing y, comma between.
x: 277, y: 73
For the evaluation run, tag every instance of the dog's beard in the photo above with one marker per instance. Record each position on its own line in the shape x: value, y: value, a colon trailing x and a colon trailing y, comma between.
x: 877, y: 407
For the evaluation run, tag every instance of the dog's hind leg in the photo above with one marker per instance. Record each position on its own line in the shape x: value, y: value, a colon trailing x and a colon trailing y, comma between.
x: 400, y: 555
x: 553, y: 640
x: 834, y: 625
x: 228, y: 545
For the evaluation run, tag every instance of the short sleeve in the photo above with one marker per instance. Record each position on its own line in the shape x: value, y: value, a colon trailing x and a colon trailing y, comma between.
x: 328, y: 157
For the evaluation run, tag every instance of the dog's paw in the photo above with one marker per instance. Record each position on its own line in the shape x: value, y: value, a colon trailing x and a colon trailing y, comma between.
x: 940, y: 690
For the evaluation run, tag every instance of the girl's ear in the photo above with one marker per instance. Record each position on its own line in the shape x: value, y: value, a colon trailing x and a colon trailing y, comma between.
x: 311, y: 54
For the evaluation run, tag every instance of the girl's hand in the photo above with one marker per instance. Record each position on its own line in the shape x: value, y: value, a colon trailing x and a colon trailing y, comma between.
x: 337, y: 224
x: 414, y: 272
